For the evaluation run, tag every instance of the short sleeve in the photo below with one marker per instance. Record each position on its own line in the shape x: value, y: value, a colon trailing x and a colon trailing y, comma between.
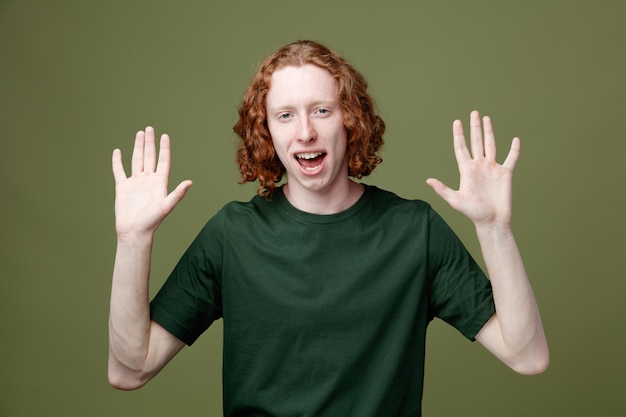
x: 459, y: 291
x: 190, y: 299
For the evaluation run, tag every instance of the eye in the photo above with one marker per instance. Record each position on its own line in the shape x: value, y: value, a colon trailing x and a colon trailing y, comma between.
x: 284, y: 116
x: 322, y: 111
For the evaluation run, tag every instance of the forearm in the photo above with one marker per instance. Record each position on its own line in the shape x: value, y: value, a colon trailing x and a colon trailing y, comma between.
x: 519, y: 326
x: 129, y: 317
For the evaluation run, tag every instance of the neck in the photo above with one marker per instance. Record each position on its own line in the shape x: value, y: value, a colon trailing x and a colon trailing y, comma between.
x: 324, y: 201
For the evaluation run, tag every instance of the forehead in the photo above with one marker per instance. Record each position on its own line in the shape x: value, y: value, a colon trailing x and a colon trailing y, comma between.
x: 295, y: 84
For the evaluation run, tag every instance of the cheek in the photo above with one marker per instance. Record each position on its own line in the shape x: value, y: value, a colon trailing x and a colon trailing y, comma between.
x: 276, y: 133
x: 342, y: 137
x: 279, y: 143
x: 271, y: 128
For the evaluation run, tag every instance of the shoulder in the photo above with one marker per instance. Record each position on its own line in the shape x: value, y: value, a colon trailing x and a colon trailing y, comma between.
x: 241, y: 214
x: 412, y: 214
x: 385, y: 200
x: 233, y: 218
x: 398, y: 215
x: 237, y: 208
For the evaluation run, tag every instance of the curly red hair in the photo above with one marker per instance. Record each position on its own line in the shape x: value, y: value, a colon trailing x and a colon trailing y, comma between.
x: 256, y: 156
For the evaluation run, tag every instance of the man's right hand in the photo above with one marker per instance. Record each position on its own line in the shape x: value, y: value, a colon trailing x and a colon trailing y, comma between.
x: 142, y: 200
x: 138, y: 346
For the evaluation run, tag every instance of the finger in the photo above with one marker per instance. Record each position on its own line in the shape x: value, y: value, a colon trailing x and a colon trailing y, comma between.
x: 476, y: 136
x: 442, y: 190
x: 163, y: 168
x: 177, y: 194
x: 489, y: 139
x: 137, y: 158
x: 460, y: 146
x: 149, y: 151
x: 118, y: 168
x: 511, y: 159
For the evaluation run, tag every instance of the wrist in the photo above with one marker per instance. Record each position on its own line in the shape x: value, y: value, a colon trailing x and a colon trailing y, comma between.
x: 493, y: 229
x: 135, y: 237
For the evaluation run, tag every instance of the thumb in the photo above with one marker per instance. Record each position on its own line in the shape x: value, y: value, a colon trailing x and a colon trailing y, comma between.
x: 177, y: 194
x: 441, y: 189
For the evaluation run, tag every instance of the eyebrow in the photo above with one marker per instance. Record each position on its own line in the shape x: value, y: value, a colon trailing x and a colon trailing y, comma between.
x: 314, y: 103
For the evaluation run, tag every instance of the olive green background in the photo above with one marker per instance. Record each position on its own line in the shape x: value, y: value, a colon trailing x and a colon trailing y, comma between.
x: 78, y: 78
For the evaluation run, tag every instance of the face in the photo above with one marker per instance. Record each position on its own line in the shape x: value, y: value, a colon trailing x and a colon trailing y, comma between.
x: 305, y: 120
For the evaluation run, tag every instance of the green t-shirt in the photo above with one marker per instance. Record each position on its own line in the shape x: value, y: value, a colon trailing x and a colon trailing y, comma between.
x: 324, y: 315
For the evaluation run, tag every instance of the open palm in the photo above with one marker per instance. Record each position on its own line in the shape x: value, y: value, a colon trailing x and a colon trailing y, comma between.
x: 485, y: 189
x: 142, y: 200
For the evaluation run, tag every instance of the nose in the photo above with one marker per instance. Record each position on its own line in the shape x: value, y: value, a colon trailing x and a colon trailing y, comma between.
x: 306, y: 131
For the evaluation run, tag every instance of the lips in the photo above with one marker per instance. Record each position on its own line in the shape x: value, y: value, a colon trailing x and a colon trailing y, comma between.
x: 310, y: 160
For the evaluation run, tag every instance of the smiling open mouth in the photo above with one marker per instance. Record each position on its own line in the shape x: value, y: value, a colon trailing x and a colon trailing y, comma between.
x: 310, y: 160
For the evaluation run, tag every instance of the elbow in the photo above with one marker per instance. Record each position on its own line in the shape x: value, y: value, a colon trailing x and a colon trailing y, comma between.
x: 536, y: 368
x: 535, y: 364
x: 123, y: 384
x: 124, y: 380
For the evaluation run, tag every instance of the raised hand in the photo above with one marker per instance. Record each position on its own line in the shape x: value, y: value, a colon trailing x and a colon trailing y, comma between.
x: 142, y: 200
x: 514, y: 334
x: 485, y: 189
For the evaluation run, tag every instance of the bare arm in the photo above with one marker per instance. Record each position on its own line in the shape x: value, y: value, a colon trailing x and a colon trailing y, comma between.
x: 515, y: 333
x: 139, y: 347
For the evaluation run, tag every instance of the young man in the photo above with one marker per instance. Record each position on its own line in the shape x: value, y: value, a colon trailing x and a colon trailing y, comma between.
x: 325, y: 285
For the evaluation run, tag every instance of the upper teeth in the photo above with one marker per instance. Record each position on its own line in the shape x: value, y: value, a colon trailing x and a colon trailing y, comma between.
x: 308, y: 155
